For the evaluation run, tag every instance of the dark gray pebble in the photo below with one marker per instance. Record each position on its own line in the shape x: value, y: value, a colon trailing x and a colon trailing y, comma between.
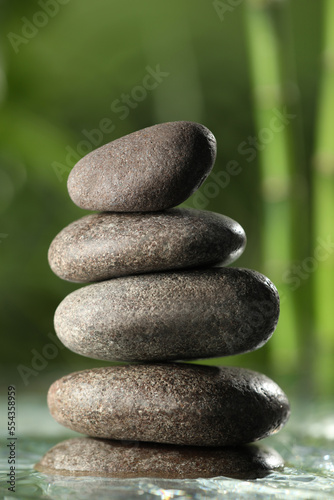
x: 152, y: 169
x: 170, y: 403
x: 171, y: 315
x: 107, y: 458
x: 108, y: 245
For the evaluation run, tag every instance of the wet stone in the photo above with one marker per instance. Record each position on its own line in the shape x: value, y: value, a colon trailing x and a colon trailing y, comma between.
x: 107, y: 458
x: 170, y: 403
x: 108, y: 245
x: 152, y: 169
x: 172, y: 315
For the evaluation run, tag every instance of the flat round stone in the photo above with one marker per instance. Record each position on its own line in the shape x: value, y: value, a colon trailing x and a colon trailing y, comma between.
x: 172, y: 315
x: 170, y: 403
x: 107, y: 458
x: 108, y: 245
x: 152, y: 169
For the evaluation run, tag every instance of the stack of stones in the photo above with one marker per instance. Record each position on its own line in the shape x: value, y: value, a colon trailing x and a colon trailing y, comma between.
x: 163, y: 295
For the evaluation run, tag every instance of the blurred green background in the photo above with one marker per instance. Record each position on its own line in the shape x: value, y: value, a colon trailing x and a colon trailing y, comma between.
x: 258, y: 74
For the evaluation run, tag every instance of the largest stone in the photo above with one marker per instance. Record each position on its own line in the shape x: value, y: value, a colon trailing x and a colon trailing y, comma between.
x: 171, y: 315
x: 155, y: 168
x: 170, y: 403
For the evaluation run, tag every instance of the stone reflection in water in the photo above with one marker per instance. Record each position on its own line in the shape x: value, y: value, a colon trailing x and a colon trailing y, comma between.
x: 119, y: 459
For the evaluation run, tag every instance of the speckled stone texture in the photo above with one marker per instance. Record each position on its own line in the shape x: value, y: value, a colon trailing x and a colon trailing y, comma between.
x: 100, y: 457
x: 152, y: 169
x: 170, y: 403
x: 108, y: 245
x: 172, y: 315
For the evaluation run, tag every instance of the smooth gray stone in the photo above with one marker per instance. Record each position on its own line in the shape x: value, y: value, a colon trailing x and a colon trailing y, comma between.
x: 107, y: 458
x: 108, y: 245
x: 171, y: 315
x: 170, y: 403
x: 152, y: 169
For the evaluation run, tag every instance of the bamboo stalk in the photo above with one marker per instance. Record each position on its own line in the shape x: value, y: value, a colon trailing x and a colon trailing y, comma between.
x: 323, y: 181
x: 302, y: 208
x: 273, y: 159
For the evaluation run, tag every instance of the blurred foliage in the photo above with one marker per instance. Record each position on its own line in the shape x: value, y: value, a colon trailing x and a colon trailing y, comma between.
x: 229, y: 67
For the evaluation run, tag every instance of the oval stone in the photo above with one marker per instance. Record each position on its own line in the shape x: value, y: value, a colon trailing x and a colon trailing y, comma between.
x: 108, y: 458
x: 108, y: 245
x: 172, y: 315
x: 152, y: 169
x: 170, y: 403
